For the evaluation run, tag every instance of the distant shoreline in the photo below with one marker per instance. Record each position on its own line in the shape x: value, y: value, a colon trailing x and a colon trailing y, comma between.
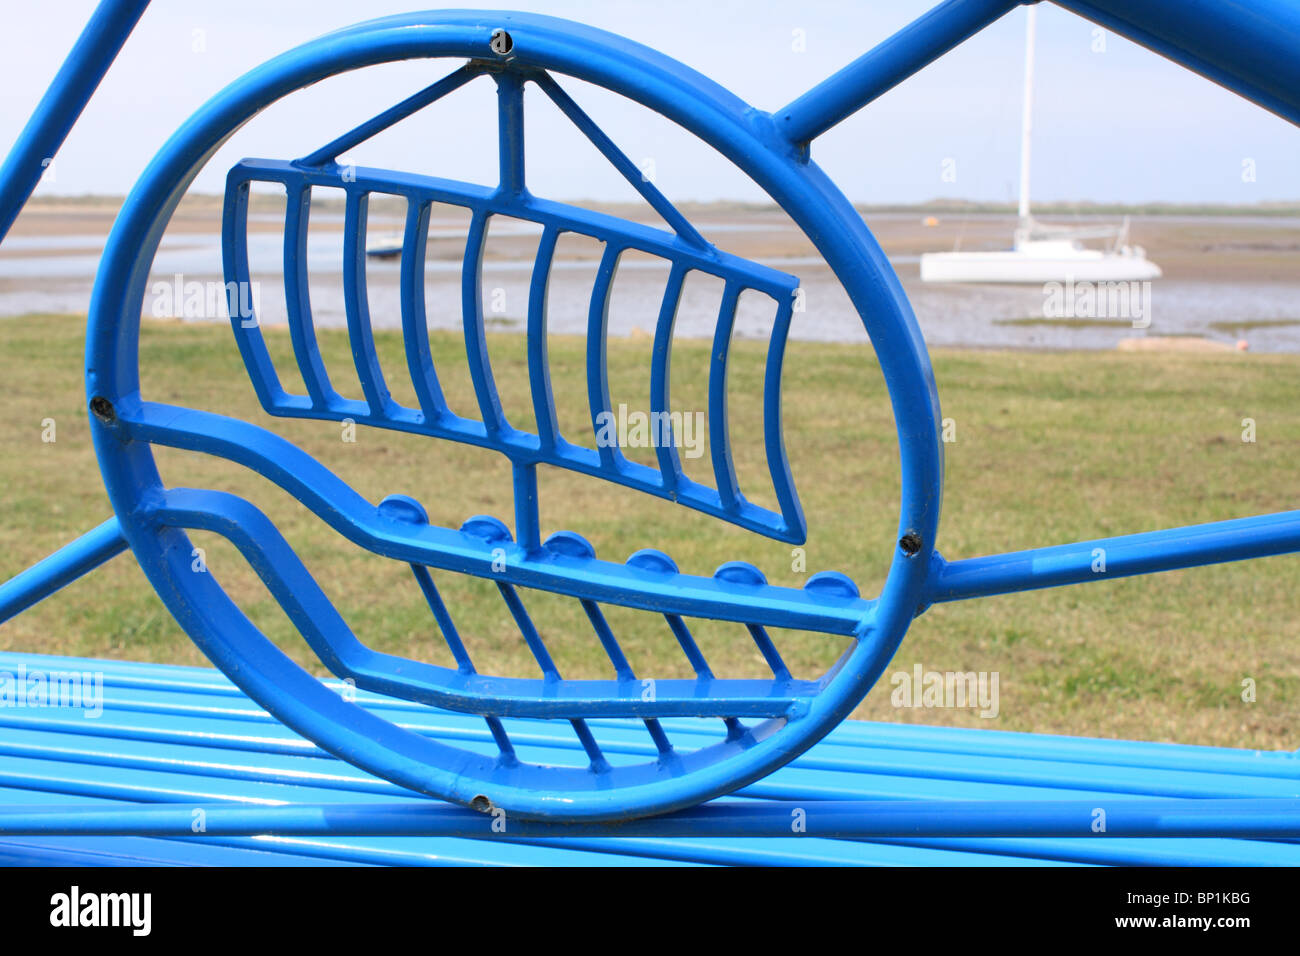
x: 1278, y: 208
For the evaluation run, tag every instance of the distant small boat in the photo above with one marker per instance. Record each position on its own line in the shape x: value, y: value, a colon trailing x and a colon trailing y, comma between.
x: 1042, y: 253
x: 384, y: 245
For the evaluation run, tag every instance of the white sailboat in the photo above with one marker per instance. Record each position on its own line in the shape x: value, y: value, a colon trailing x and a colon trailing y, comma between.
x: 1043, y: 253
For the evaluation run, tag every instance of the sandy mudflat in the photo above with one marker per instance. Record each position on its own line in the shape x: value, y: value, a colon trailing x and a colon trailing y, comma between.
x: 1226, y: 277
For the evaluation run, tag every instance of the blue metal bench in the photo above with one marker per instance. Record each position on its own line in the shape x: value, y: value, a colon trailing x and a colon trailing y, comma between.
x: 679, y: 742
x: 176, y: 740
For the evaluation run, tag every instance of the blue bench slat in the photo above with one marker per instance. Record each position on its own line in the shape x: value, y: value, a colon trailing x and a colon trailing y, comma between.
x: 186, y: 733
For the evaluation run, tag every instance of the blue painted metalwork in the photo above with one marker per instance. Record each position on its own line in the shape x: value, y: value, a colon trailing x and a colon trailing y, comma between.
x: 59, y: 109
x: 61, y: 568
x: 1126, y: 555
x: 793, y: 714
x: 1248, y: 48
x: 884, y: 67
x: 824, y: 819
x: 673, y: 766
x: 434, y: 418
x: 186, y: 736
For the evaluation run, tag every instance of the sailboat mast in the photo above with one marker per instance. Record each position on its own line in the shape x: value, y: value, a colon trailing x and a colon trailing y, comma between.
x: 1027, y: 116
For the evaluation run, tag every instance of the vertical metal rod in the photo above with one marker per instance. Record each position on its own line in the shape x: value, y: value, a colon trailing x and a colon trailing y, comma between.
x: 598, y: 359
x: 415, y: 319
x: 476, y: 350
x: 510, y: 113
x: 297, y: 296
x: 61, y: 568
x: 539, y: 363
x: 724, y: 468
x: 61, y: 106
x: 670, y: 465
x: 527, y: 522
x: 356, y: 304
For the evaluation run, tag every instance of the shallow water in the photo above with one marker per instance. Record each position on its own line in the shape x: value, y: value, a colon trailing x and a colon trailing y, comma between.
x: 55, y: 273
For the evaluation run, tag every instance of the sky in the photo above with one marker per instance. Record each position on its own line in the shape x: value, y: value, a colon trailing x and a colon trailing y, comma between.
x: 1113, y: 122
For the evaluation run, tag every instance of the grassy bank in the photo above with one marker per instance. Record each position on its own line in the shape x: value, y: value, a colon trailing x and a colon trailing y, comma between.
x: 1049, y: 448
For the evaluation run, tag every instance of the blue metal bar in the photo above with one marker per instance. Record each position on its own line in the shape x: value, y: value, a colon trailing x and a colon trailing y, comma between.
x: 1118, y: 557
x: 622, y: 669
x: 724, y: 468
x: 297, y: 297
x: 501, y: 739
x: 415, y: 321
x: 476, y: 351
x: 550, y: 672
x: 1249, y: 48
x: 391, y: 116
x: 510, y: 131
x: 147, y: 729
x: 670, y: 463
x: 338, y: 648
x: 336, y: 503
x: 248, y: 335
x: 598, y: 360
x: 457, y: 646
x: 770, y: 654
x: 464, y: 663
x: 918, y: 44
x: 529, y: 630
x: 207, y: 724
x: 487, y: 200
x: 778, y: 462
x: 539, y: 362
x: 700, y: 665
x: 61, y: 568
x: 618, y: 159
x: 357, y: 307
x: 589, y: 745
x: 527, y: 522
x: 818, y: 819
x: 494, y: 431
x: 440, y: 614
x: 689, y: 647
x: 59, y: 109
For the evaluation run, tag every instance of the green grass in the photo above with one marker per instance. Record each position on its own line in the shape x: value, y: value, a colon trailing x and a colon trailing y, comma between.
x: 1049, y: 448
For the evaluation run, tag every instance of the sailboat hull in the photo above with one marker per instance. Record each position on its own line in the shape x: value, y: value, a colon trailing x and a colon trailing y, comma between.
x: 1013, y: 266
